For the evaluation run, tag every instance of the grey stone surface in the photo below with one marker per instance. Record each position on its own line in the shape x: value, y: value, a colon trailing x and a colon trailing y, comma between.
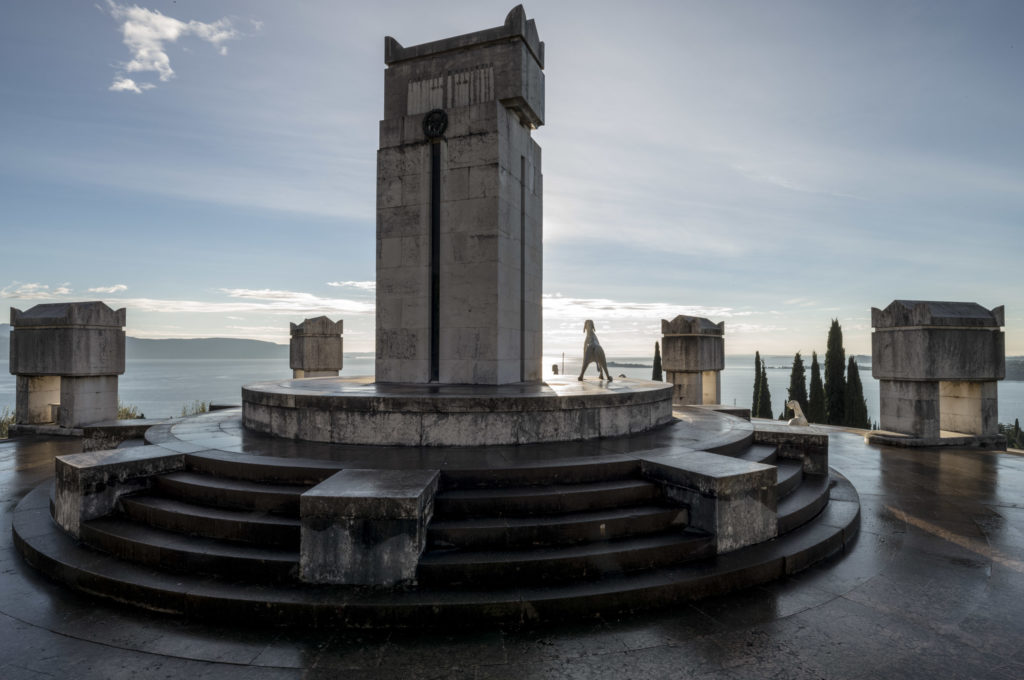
x: 693, y: 356
x: 89, y: 484
x: 491, y: 86
x: 808, y: 445
x: 732, y: 498
x: 938, y: 363
x: 66, y: 357
x: 922, y: 593
x: 366, y: 527
x: 67, y: 339
x: 357, y: 412
x: 316, y: 348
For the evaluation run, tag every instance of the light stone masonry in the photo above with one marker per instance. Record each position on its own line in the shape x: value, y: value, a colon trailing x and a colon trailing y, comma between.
x: 67, y: 357
x: 937, y: 364
x: 693, y: 356
x: 490, y: 86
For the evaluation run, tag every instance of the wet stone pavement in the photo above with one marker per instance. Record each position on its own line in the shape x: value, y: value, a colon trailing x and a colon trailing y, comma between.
x: 932, y: 588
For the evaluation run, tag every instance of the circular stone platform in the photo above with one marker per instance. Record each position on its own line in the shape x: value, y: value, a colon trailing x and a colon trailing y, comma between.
x: 358, y: 411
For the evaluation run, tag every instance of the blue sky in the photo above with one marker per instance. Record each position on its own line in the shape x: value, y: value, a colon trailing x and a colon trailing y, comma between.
x: 773, y: 165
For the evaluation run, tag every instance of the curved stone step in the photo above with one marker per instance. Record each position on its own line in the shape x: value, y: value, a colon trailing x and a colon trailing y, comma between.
x: 506, y: 532
x: 804, y: 503
x: 189, y: 554
x: 261, y: 469
x: 562, y: 563
x: 545, y: 500
x: 759, y: 453
x: 541, y: 473
x: 790, y: 475
x: 47, y: 548
x: 231, y: 493
x: 244, y: 526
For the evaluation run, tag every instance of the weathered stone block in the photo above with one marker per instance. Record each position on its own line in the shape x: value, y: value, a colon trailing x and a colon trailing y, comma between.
x: 732, y: 498
x: 88, y: 485
x: 67, y: 338
x: 366, y: 527
x: 316, y: 347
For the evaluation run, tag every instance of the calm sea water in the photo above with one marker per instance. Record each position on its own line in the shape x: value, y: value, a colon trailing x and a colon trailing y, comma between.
x: 160, y: 388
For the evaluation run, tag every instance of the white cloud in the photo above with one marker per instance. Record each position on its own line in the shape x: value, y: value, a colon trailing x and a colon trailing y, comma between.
x: 34, y: 291
x: 563, y: 308
x: 116, y: 288
x: 361, y: 285
x: 284, y: 302
x: 146, y: 33
x: 129, y: 85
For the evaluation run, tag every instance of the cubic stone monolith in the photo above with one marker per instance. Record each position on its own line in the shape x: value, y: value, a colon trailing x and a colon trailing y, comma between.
x: 693, y: 356
x: 315, y: 349
x: 67, y: 357
x: 459, y: 220
x: 938, y: 363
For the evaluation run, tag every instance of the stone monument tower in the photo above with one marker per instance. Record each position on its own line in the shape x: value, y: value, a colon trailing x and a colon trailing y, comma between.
x: 459, y: 221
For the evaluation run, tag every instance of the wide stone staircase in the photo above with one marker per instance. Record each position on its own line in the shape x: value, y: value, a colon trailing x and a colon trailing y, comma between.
x: 494, y: 528
x: 531, y: 538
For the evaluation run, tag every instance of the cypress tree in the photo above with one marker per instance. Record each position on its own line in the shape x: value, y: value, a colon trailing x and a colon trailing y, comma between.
x: 816, y: 399
x: 856, y: 408
x: 835, y: 376
x: 765, y: 396
x: 755, y: 405
x: 797, y: 388
x: 656, y: 373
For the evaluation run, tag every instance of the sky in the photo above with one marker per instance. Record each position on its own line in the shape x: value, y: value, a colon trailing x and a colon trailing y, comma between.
x: 210, y: 166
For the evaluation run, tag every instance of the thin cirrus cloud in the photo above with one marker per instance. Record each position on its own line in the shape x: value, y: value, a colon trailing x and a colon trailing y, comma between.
x: 116, y: 288
x: 370, y: 286
x: 34, y: 291
x: 147, y: 32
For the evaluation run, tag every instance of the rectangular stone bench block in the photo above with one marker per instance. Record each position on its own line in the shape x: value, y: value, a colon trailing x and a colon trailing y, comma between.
x: 731, y: 498
x: 88, y: 485
x: 806, y: 444
x: 366, y: 527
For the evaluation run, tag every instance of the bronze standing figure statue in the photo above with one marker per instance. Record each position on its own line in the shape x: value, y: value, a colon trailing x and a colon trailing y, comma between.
x: 592, y: 352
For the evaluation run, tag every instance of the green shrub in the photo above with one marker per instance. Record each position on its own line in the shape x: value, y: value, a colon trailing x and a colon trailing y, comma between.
x: 194, y: 408
x: 128, y: 412
x: 6, y: 420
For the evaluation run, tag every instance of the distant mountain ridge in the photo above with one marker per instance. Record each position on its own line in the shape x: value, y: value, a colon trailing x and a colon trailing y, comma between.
x: 203, y: 348
x: 183, y: 348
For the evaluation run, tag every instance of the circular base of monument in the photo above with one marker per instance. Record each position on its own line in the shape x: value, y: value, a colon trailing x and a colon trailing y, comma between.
x: 358, y: 411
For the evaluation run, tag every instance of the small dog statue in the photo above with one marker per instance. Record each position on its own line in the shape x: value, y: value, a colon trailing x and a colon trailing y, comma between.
x: 800, y: 420
x: 593, y: 353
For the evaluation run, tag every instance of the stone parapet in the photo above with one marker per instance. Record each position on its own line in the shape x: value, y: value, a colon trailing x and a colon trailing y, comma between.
x: 366, y: 527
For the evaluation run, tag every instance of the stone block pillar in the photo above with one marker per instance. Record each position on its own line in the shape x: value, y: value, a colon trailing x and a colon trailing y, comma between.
x: 316, y: 347
x: 693, y: 356
x: 459, y: 214
x: 67, y: 357
x: 366, y: 527
x: 937, y: 364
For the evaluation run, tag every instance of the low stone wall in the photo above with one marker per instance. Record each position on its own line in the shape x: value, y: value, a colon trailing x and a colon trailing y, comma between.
x: 325, y: 410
